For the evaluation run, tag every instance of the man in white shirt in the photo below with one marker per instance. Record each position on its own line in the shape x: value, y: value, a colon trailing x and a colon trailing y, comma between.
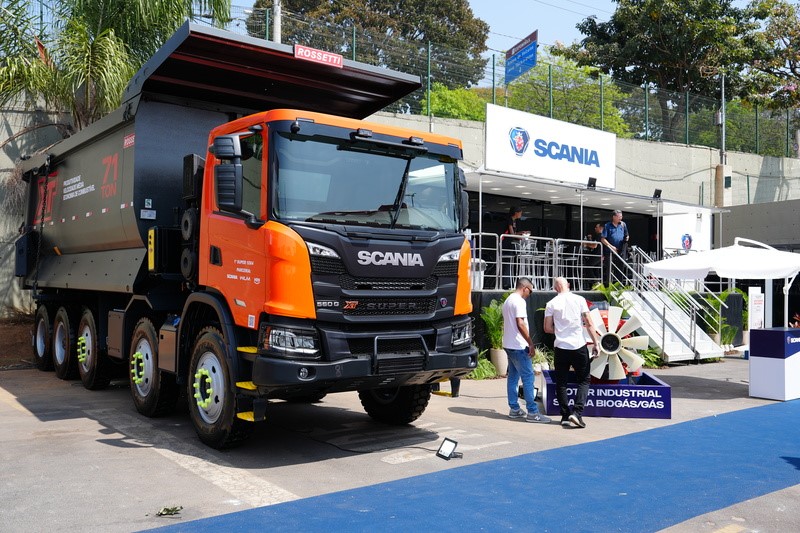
x: 518, y: 345
x: 567, y: 315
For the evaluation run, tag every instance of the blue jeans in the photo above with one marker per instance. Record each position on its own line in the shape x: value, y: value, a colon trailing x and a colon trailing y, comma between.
x: 520, y: 366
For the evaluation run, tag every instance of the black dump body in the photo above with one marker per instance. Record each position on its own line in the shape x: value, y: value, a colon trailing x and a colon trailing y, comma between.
x: 112, y: 181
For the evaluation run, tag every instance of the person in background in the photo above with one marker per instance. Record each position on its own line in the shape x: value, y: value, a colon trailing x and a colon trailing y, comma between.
x: 615, y: 243
x: 509, y: 246
x: 518, y: 345
x: 567, y: 315
x: 593, y: 255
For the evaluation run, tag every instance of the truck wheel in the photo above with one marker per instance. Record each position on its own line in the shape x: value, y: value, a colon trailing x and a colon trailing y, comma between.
x: 64, y: 346
x: 42, y: 337
x: 397, y: 406
x: 155, y: 393
x: 91, y: 362
x: 212, y: 402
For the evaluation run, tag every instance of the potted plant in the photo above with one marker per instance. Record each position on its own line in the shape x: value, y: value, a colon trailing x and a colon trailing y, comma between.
x: 542, y: 359
x: 492, y: 316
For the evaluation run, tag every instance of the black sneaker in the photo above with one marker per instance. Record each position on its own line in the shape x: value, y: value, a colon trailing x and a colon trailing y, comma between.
x: 565, y: 421
x: 577, y: 420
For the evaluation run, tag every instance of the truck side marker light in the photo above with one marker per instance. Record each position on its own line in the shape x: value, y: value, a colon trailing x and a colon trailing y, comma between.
x: 247, y: 415
x: 200, y: 375
x: 247, y: 349
x: 137, y: 368
x: 246, y: 385
x: 81, y: 349
x: 56, y: 250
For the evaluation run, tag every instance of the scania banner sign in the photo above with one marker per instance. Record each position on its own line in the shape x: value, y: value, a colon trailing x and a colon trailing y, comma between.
x: 543, y: 148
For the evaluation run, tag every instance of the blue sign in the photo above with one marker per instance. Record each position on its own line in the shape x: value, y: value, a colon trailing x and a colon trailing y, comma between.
x: 522, y: 57
x: 646, y: 397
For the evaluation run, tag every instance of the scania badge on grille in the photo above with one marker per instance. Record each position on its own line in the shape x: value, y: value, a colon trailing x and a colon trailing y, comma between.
x: 443, y: 302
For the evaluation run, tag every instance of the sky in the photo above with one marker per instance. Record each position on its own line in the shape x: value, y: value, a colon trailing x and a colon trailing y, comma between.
x: 511, y: 21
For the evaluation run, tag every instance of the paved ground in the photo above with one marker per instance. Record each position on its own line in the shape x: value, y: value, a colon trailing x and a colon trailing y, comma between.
x: 74, y: 459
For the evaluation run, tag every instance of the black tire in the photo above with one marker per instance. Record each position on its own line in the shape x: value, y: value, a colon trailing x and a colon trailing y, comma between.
x: 211, y: 395
x: 154, y: 392
x: 92, y: 362
x: 189, y: 224
x: 397, y: 406
x: 42, y: 340
x: 65, y: 356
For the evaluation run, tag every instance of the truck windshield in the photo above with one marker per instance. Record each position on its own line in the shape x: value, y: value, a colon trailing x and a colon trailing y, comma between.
x: 327, y: 180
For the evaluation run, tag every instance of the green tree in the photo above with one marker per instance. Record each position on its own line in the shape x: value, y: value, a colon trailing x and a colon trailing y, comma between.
x: 460, y: 103
x: 95, y: 46
x: 673, y: 47
x: 390, y: 34
x: 777, y: 58
x: 576, y: 95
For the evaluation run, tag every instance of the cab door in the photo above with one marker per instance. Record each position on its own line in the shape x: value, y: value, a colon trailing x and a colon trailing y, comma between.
x: 232, y: 247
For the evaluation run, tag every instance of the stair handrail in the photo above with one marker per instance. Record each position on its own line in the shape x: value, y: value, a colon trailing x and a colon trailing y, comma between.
x: 627, y: 275
x: 673, y: 286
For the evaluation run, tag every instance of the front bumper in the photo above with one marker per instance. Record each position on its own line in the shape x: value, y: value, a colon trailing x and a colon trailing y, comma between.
x: 274, y: 376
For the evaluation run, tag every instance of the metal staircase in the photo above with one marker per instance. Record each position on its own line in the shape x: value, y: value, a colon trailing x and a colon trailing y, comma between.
x: 669, y: 314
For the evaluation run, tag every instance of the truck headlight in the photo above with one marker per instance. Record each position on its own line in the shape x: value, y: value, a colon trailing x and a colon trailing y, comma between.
x: 462, y: 334
x: 455, y: 255
x: 286, y: 342
x: 321, y: 251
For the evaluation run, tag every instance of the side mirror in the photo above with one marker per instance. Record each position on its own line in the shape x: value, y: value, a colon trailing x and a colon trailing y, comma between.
x: 462, y: 185
x: 226, y: 147
x: 464, y: 210
x: 228, y: 181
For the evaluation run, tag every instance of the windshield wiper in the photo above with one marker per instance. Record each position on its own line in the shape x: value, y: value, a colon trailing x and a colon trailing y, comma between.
x: 401, y: 193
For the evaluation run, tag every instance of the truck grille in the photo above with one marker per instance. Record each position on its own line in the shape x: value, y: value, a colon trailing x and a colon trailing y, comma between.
x: 446, y: 269
x: 350, y: 283
x: 401, y: 365
x: 366, y: 346
x: 327, y: 265
x: 387, y: 307
x: 395, y: 356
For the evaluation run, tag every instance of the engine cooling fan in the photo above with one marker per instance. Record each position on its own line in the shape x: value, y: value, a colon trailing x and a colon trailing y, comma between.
x: 614, y: 349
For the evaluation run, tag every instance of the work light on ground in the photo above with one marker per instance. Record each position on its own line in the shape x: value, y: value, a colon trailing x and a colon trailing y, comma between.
x: 447, y: 450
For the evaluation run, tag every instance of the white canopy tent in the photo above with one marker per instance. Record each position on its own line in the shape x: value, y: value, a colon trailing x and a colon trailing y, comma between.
x: 758, y: 261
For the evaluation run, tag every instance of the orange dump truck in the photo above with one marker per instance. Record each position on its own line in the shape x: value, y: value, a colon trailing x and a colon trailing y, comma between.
x: 219, y: 236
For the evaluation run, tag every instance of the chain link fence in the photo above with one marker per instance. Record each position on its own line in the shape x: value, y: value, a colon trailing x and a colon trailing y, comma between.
x: 561, y: 91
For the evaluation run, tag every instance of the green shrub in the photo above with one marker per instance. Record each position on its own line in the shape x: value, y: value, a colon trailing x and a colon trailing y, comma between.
x: 492, y: 316
x: 652, y: 357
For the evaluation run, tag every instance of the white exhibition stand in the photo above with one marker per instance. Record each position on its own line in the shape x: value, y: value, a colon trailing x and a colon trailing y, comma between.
x: 775, y: 363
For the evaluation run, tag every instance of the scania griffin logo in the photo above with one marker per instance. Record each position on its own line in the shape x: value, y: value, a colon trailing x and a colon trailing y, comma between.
x: 519, y: 140
x: 389, y: 258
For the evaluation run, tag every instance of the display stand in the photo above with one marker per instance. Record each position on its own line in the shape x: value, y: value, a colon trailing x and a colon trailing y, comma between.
x: 775, y: 363
x: 643, y: 396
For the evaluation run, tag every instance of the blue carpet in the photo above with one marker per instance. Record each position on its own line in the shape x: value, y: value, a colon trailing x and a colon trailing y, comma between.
x: 640, y: 482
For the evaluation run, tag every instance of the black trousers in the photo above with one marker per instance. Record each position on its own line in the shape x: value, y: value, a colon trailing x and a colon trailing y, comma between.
x: 608, y: 271
x: 579, y: 361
